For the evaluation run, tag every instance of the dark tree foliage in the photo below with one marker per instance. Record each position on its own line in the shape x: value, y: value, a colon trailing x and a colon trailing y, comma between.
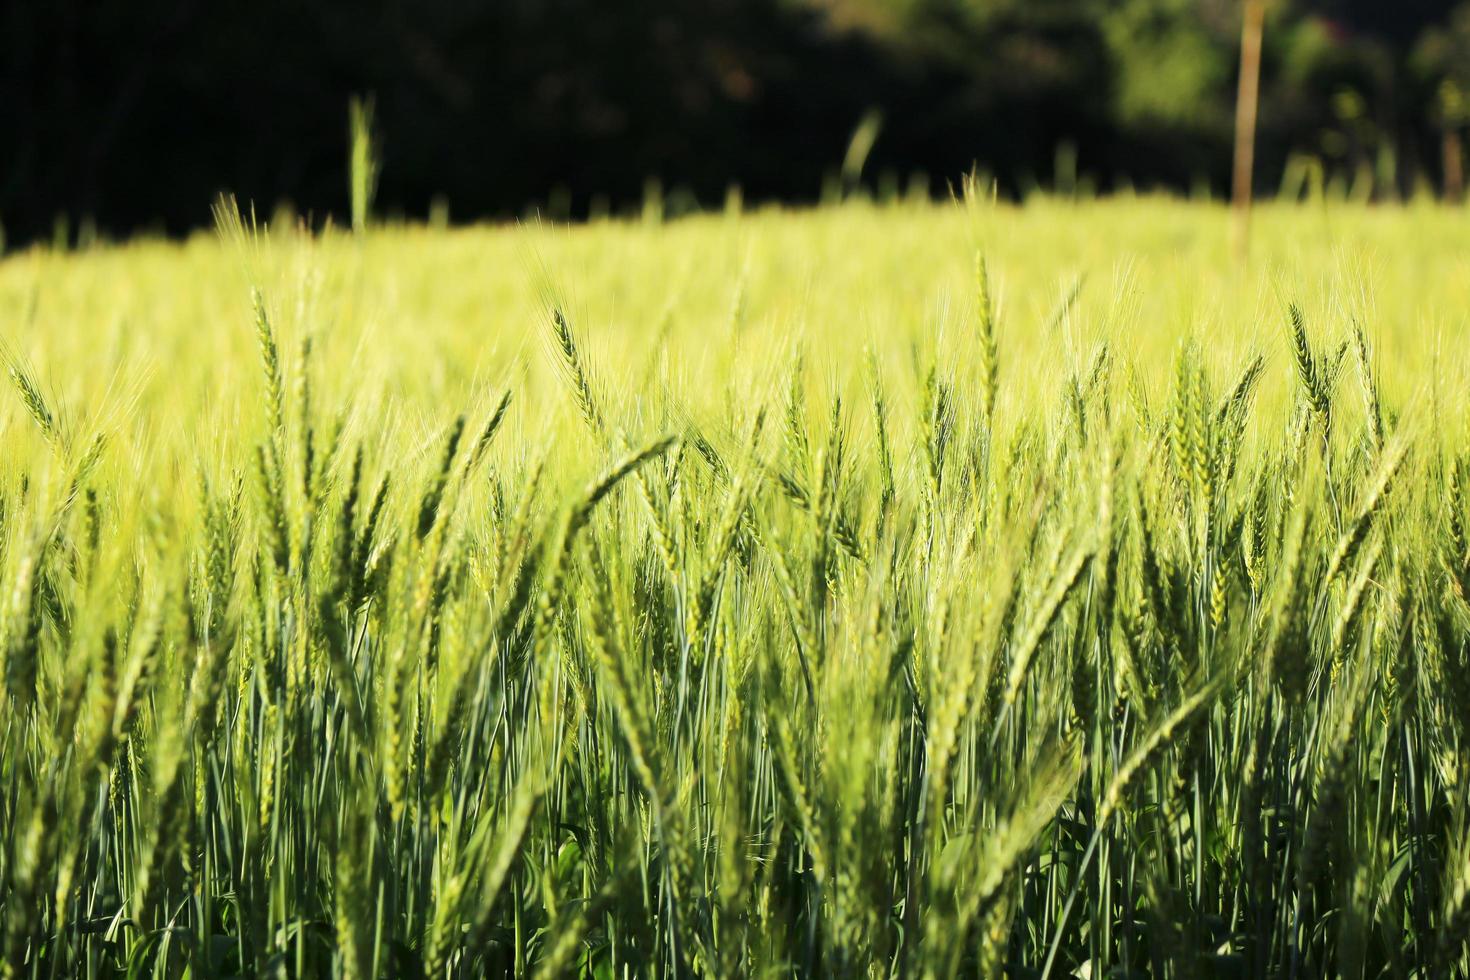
x: 134, y: 115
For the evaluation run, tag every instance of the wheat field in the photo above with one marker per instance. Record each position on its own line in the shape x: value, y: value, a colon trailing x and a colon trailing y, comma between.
x: 883, y: 590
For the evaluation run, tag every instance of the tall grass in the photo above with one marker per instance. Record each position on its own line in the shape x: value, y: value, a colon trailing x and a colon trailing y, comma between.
x: 362, y: 161
x: 956, y: 659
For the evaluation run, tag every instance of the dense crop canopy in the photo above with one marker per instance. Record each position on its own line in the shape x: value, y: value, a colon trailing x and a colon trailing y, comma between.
x: 757, y: 595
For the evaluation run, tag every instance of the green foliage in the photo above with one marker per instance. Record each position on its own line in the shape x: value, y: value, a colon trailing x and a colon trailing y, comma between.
x: 1175, y: 63
x: 362, y: 166
x: 1036, y: 641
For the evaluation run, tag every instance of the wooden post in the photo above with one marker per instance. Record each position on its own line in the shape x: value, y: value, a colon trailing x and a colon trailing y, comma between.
x: 1454, y: 165
x: 1247, y: 103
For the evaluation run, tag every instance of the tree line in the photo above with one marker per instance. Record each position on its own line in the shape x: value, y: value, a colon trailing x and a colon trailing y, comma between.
x: 128, y: 117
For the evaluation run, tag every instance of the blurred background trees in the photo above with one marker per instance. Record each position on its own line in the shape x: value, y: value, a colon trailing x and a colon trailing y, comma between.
x: 132, y: 116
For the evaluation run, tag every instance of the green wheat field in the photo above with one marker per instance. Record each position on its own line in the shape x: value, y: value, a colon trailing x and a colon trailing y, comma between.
x: 918, y: 590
